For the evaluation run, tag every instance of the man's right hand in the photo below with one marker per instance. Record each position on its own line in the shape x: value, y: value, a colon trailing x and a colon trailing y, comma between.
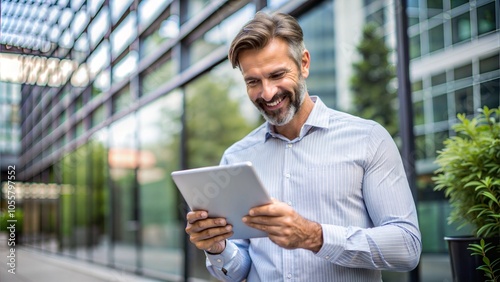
x: 208, y: 234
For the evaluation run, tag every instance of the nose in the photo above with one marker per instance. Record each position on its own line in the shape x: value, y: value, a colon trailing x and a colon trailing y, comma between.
x: 269, y: 89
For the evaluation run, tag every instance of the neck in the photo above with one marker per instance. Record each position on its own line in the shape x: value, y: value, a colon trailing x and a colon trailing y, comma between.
x: 292, y: 129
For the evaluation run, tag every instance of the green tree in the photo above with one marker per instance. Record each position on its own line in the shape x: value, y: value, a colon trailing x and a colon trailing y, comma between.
x: 374, y: 97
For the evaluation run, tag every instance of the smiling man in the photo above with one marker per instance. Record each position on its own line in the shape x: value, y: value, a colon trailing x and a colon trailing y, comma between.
x: 342, y: 208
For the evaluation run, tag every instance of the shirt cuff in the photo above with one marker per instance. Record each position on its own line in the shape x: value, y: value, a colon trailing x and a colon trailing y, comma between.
x: 334, y: 242
x: 221, y: 259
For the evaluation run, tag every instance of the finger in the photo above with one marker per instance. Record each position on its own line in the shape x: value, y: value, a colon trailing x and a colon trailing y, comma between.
x: 194, y: 216
x: 203, y: 224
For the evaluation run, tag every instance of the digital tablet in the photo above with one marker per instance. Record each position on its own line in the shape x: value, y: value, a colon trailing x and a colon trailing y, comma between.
x: 228, y: 191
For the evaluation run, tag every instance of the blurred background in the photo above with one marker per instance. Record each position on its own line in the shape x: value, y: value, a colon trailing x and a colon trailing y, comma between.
x: 101, y: 99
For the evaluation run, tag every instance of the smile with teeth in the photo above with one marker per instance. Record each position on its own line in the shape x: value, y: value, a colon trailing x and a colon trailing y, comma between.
x: 272, y: 104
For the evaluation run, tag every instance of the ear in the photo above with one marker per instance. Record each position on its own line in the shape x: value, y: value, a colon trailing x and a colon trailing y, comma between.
x: 305, y: 63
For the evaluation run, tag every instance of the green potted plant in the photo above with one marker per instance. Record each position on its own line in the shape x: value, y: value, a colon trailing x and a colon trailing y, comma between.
x: 469, y: 176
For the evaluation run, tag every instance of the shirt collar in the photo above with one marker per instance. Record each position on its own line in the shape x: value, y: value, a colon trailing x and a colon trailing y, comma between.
x: 317, y: 118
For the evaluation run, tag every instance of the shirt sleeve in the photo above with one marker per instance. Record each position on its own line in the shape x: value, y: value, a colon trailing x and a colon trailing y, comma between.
x: 232, y: 264
x: 394, y: 242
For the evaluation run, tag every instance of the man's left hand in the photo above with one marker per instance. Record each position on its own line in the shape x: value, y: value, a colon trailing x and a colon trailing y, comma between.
x: 285, y: 226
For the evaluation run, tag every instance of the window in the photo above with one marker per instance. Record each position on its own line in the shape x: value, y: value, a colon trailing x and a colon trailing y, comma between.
x: 489, y: 64
x: 461, y: 28
x: 438, y: 79
x: 462, y: 72
x: 436, y: 38
x: 464, y: 101
x: 490, y: 92
x: 440, y: 107
x: 486, y: 18
x: 415, y: 50
x: 456, y: 3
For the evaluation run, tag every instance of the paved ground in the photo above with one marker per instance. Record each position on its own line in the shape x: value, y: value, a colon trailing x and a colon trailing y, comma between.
x: 35, y: 266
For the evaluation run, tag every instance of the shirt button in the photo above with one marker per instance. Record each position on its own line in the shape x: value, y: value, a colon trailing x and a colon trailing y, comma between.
x: 289, y: 203
x: 289, y: 145
x: 287, y: 175
x: 327, y: 257
x: 289, y: 276
x: 219, y: 260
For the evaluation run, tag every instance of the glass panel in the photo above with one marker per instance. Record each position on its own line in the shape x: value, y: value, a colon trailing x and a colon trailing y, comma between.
x: 125, y: 67
x: 149, y: 10
x: 169, y: 29
x: 462, y: 72
x: 439, y: 138
x: 122, y: 100
x: 99, y: 115
x: 320, y: 41
x: 461, y: 28
x: 99, y: 202
x: 94, y: 5
x: 420, y: 147
x: 101, y: 84
x: 122, y: 159
x: 434, y: 7
x: 161, y: 217
x: 486, y: 18
x: 438, y: 79
x: 123, y: 35
x: 195, y: 6
x: 456, y: 3
x: 415, y: 47
x: 489, y: 64
x: 118, y: 8
x: 464, y: 101
x: 417, y: 86
x: 418, y: 113
x: 275, y: 4
x: 82, y: 201
x: 440, y: 107
x: 436, y: 38
x: 99, y: 27
x: 99, y: 59
x: 67, y: 169
x: 490, y: 93
x: 221, y: 35
x: 157, y: 75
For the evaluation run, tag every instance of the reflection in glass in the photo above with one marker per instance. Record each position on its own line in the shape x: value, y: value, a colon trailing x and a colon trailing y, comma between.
x: 149, y: 10
x: 98, y: 27
x: 161, y: 217
x: 158, y: 74
x: 123, y: 160
x: 486, y: 18
x: 464, y: 101
x: 490, y: 93
x: 220, y: 35
x: 123, y: 35
x: 461, y: 28
x: 99, y: 198
x: 125, y: 67
x: 436, y: 38
x: 440, y: 107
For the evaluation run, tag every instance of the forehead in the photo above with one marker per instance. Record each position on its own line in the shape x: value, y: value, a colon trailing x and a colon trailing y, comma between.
x: 274, y: 55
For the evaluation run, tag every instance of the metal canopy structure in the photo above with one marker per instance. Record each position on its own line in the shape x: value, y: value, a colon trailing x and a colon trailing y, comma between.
x: 39, y: 27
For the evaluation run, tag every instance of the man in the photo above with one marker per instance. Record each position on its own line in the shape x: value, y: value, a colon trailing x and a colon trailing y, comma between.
x: 342, y: 208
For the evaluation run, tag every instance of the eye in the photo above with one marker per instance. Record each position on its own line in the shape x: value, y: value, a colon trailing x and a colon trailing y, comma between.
x: 278, y: 75
x: 251, y: 82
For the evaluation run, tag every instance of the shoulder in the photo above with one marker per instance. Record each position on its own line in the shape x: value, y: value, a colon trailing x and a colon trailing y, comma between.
x: 253, y: 139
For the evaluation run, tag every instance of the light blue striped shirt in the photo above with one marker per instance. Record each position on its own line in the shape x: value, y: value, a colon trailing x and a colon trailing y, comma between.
x: 343, y: 172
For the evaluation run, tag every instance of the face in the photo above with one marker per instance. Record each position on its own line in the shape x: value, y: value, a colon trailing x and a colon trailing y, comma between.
x: 275, y: 84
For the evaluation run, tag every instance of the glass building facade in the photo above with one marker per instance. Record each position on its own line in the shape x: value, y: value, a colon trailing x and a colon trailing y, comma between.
x: 127, y: 91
